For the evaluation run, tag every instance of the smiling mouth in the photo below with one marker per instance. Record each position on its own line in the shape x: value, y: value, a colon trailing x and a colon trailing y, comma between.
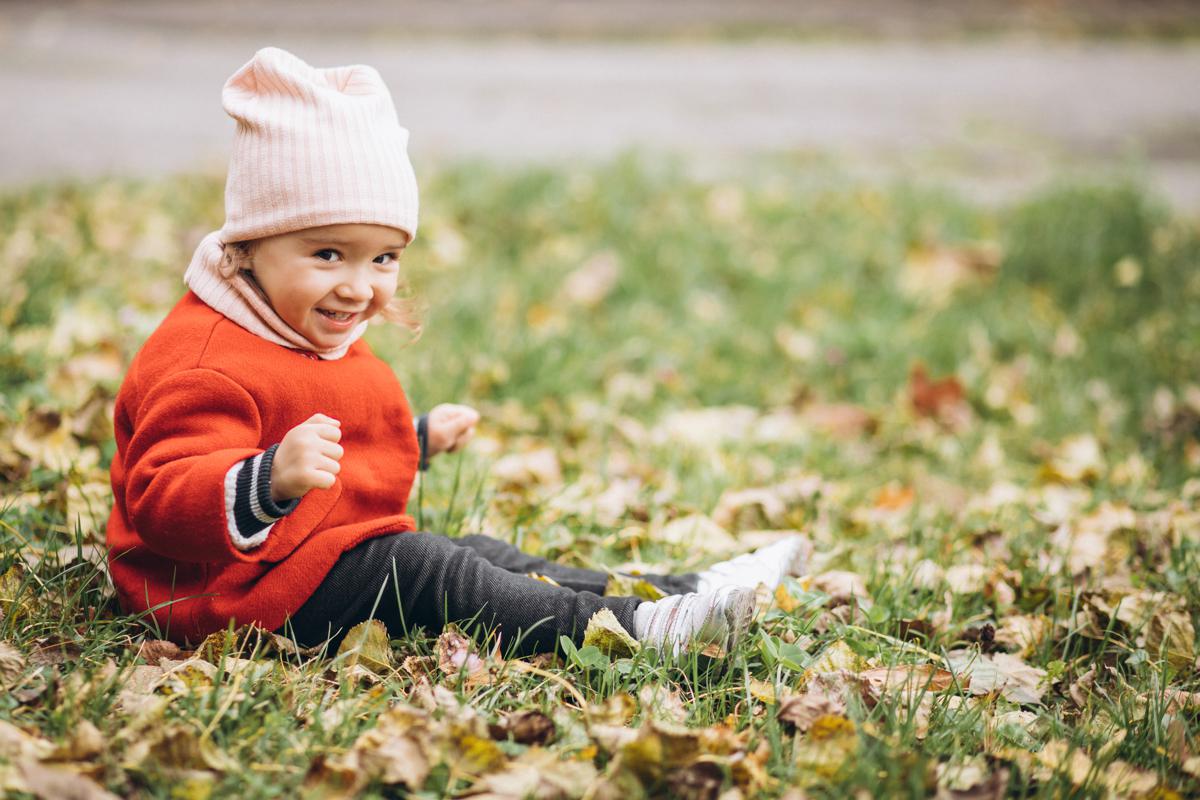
x: 336, y: 316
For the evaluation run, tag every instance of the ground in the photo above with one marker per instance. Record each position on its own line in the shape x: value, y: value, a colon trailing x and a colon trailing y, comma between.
x: 980, y: 404
x: 985, y: 420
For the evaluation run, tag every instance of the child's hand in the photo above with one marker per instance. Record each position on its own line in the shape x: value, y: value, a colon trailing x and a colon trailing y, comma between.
x: 450, y: 426
x: 307, y: 458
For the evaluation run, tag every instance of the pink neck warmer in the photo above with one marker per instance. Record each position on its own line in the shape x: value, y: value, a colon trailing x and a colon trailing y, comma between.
x: 241, y: 301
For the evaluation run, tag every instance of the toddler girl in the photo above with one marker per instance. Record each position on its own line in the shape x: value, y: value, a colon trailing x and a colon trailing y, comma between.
x: 265, y: 455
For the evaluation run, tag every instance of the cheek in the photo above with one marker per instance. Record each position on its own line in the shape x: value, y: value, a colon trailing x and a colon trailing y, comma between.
x: 385, y: 289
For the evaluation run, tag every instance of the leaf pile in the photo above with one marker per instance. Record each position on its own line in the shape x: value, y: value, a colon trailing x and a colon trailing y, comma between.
x: 987, y: 422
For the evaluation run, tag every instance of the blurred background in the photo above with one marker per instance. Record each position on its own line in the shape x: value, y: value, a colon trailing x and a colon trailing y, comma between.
x: 990, y: 97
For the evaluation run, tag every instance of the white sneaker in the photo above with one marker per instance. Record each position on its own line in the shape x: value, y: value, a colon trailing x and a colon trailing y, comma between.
x: 672, y: 623
x: 767, y: 565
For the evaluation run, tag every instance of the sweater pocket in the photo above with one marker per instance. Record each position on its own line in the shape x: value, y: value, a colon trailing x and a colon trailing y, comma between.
x: 307, y: 518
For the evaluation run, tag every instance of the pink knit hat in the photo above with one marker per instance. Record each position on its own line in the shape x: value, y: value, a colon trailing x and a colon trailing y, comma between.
x: 313, y: 147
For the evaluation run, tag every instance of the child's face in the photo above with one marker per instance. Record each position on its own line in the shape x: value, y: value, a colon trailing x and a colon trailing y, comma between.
x: 325, y: 281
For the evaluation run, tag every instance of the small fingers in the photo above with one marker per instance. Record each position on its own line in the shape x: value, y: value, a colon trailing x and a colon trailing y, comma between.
x: 322, y: 480
x: 322, y: 418
x: 330, y: 433
x: 331, y: 449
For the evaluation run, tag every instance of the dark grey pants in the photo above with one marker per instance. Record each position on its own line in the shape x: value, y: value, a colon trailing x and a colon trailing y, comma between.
x: 474, y: 578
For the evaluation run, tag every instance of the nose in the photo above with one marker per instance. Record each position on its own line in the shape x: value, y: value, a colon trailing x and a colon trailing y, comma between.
x: 356, y: 286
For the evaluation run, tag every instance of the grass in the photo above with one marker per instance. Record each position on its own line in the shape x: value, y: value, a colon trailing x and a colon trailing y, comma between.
x: 685, y: 340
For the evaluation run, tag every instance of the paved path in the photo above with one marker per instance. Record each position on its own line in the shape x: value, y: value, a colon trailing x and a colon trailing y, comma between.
x: 85, y: 96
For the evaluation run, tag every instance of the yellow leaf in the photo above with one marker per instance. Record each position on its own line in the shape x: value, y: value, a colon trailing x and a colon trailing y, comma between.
x: 606, y: 633
x: 367, y: 645
x: 631, y: 586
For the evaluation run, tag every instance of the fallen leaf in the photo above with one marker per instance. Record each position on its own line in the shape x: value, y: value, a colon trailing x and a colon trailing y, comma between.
x: 525, y: 727
x: 620, y: 585
x: 606, y: 633
x: 943, y: 400
x: 697, y: 532
x: 831, y: 741
x: 802, y: 710
x: 456, y: 655
x: 933, y: 272
x: 910, y: 679
x: 367, y: 645
x: 592, y: 281
x: 1015, y: 680
x: 56, y: 783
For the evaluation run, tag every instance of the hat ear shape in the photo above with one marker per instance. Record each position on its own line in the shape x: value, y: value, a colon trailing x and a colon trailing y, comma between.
x: 314, y: 146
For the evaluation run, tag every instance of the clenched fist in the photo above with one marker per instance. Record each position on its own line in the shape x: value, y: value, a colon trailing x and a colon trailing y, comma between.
x: 451, y: 426
x: 307, y: 458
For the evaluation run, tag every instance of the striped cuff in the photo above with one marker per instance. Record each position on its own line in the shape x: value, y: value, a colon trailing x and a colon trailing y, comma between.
x: 249, y: 510
x: 422, y: 424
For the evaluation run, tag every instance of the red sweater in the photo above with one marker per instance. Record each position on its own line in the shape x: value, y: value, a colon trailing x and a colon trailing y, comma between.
x: 203, y: 394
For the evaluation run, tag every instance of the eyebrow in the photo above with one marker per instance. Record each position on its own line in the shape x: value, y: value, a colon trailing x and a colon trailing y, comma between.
x: 343, y: 242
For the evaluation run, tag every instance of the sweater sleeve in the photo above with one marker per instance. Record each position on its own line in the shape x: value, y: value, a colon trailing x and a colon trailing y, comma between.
x: 250, y: 513
x: 193, y: 431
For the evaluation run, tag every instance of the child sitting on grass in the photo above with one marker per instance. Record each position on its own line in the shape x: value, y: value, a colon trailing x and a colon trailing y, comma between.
x: 265, y: 454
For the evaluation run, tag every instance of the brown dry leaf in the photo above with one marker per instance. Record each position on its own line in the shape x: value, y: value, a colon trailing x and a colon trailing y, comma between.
x: 1162, y: 624
x: 84, y: 742
x: 12, y: 665
x: 151, y: 650
x: 1177, y: 700
x: 592, y: 281
x: 841, y: 586
x: 1057, y: 756
x: 525, y: 727
x: 700, y: 780
x: 393, y: 758
x: 176, y: 746
x: 1077, y: 459
x: 830, y: 742
x: 56, y: 783
x: 933, y: 272
x: 16, y: 744
x: 910, y: 679
x: 970, y: 778
x: 606, y: 632
x: 836, y: 658
x: 540, y: 774
x: 705, y: 428
x: 337, y: 777
x: 1015, y: 680
x: 1023, y: 633
x: 968, y: 578
x: 1125, y: 780
x: 456, y: 656
x: 248, y: 641
x: 841, y: 421
x: 367, y: 645
x: 525, y: 470
x: 662, y: 702
x: 943, y: 400
x: 617, y: 709
x: 697, y: 533
x: 15, y: 596
x: 802, y: 710
x: 44, y: 436
x: 670, y: 744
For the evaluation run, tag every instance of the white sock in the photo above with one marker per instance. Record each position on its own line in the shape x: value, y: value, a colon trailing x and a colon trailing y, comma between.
x: 767, y: 565
x: 672, y: 623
